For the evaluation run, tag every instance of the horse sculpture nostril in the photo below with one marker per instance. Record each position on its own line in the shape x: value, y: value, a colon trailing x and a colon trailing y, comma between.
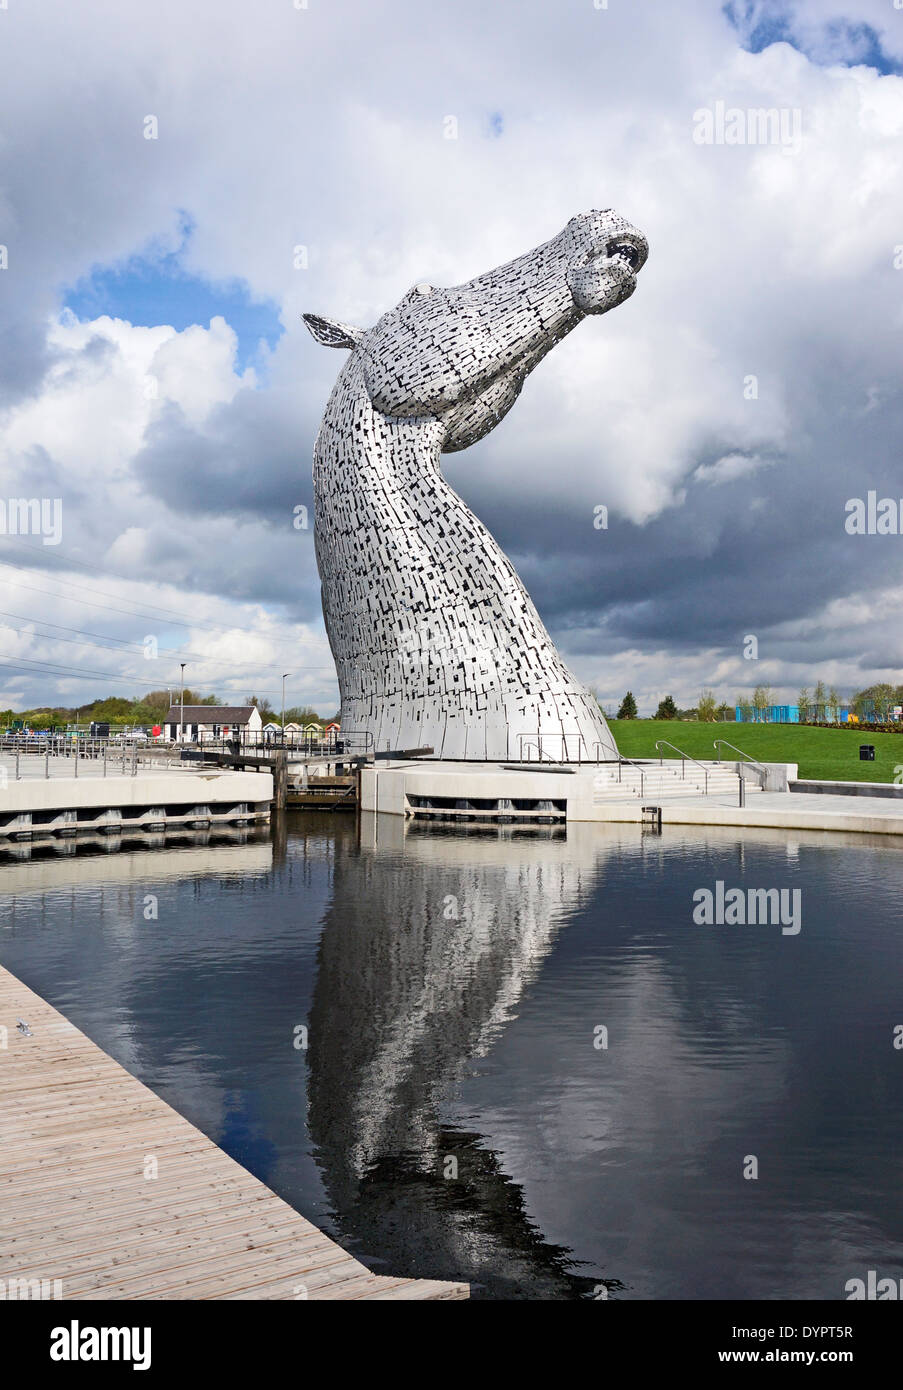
x: 626, y: 251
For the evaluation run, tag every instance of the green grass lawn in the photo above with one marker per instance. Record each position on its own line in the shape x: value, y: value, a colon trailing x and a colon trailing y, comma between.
x: 831, y: 754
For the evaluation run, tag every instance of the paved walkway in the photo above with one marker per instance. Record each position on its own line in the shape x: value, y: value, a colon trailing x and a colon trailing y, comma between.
x: 791, y: 810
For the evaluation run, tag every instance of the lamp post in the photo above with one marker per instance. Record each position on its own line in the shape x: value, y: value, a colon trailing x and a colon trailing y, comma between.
x: 283, y: 708
x: 182, y: 705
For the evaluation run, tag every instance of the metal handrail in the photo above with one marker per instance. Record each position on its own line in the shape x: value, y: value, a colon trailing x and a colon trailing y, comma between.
x: 724, y: 744
x: 125, y: 756
x: 538, y: 737
x: 539, y: 734
x: 622, y: 758
x: 663, y: 743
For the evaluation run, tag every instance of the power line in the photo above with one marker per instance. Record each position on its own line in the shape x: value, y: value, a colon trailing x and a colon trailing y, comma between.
x: 57, y: 667
x: 139, y: 603
x: 68, y: 560
x: 88, y: 604
x: 70, y: 672
x: 77, y: 673
x: 173, y: 652
x: 174, y: 617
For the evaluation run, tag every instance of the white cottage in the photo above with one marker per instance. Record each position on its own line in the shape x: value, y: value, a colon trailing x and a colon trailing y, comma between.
x: 205, y: 723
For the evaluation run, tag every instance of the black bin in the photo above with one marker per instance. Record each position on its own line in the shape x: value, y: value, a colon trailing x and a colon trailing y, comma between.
x: 866, y: 752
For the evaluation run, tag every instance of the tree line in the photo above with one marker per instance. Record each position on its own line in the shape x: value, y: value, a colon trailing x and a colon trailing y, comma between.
x: 147, y: 710
x: 708, y: 709
x: 821, y: 705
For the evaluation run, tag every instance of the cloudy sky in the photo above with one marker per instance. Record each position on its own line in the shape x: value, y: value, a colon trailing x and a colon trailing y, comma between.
x: 155, y: 374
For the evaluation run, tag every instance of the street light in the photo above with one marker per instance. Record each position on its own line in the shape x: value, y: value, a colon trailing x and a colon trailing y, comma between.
x: 283, y: 708
x: 183, y: 664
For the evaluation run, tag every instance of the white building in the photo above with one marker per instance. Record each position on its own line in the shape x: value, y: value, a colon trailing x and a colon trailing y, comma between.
x: 205, y: 723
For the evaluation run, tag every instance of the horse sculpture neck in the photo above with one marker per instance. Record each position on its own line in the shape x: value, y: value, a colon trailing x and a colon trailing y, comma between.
x: 436, y: 642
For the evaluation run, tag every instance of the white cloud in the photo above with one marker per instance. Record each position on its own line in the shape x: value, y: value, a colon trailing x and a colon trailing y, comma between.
x: 279, y: 128
x: 731, y: 466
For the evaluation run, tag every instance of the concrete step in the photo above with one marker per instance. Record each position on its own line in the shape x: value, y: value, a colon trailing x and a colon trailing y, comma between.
x: 664, y: 782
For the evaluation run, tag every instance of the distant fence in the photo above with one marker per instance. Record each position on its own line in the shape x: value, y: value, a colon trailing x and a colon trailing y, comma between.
x: 356, y: 745
x: 62, y: 743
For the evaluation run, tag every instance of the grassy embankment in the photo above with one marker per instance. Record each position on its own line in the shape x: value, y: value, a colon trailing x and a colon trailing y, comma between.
x: 830, y: 754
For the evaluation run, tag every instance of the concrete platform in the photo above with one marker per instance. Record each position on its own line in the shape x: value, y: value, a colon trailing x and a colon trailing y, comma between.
x: 779, y: 810
x: 65, y: 805
x: 454, y: 791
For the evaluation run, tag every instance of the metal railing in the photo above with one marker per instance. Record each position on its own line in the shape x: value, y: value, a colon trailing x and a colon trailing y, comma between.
x: 63, y: 756
x: 352, y: 745
x: 623, y: 759
x: 663, y: 743
x: 723, y: 743
x: 523, y: 747
x: 566, y: 744
x: 63, y: 742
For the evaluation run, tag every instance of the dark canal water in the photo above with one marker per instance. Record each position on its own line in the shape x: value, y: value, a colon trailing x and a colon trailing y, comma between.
x: 454, y: 1113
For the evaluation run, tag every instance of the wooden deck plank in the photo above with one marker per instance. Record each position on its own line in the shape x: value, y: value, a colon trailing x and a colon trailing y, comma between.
x: 75, y: 1130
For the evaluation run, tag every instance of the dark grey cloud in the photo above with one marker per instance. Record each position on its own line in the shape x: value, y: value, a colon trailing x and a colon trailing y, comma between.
x: 280, y: 128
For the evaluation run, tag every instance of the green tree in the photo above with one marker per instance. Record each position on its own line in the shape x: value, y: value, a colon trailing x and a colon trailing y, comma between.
x: 667, y: 709
x: 802, y: 701
x: 141, y: 713
x: 834, y: 704
x: 628, y: 707
x: 707, y: 709
x: 266, y: 709
x: 726, y: 713
x: 192, y: 697
x: 158, y: 703
x: 876, y: 702
x: 761, y: 699
x: 820, y: 700
x: 744, y: 705
x: 883, y: 696
x: 302, y: 714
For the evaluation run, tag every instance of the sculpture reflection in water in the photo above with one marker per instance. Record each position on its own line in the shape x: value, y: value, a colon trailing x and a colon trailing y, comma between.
x: 410, y: 993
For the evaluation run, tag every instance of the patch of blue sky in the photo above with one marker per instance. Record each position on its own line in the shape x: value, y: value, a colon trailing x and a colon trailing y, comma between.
x: 152, y: 287
x: 847, y: 41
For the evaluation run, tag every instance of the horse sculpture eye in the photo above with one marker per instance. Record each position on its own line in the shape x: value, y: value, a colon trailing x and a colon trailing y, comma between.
x: 423, y: 289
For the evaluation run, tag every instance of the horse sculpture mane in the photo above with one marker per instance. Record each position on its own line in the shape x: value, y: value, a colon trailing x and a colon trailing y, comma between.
x: 436, y: 642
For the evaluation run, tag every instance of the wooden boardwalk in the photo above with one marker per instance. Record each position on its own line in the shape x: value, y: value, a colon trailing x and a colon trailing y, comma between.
x: 78, y: 1134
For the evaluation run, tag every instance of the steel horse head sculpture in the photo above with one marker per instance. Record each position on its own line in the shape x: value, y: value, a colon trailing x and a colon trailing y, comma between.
x: 436, y: 642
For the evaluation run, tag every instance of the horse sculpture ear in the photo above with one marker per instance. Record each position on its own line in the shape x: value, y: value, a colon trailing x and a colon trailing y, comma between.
x: 333, y: 334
